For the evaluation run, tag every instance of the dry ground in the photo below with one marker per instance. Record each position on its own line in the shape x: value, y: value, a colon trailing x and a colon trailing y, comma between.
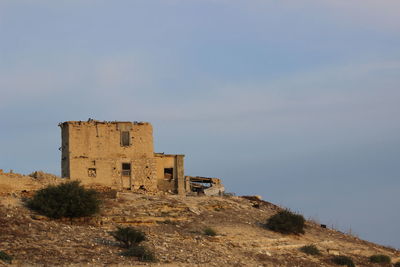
x: 174, y: 226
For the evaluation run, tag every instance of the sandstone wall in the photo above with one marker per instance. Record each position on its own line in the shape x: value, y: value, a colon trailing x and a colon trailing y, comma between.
x: 93, y: 153
x: 166, y: 183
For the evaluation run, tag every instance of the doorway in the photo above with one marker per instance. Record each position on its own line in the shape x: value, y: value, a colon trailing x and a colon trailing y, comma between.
x: 126, y: 174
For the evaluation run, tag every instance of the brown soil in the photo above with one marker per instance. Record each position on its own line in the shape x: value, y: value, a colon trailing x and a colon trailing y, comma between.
x: 174, y: 226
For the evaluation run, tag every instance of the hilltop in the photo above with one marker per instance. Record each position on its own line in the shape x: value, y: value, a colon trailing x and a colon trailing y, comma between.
x: 174, y: 226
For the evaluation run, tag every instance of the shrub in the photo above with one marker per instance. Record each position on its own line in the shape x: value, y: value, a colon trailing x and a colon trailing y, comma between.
x: 128, y: 236
x: 5, y: 257
x: 68, y: 199
x: 286, y: 222
x: 311, y: 250
x: 209, y: 231
x: 141, y: 252
x: 379, y: 258
x: 343, y: 260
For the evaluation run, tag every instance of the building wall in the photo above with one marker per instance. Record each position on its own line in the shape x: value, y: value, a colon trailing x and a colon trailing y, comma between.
x: 65, y: 151
x: 94, y: 139
x: 174, y: 183
x: 180, y: 175
x: 93, y: 145
x: 166, y: 183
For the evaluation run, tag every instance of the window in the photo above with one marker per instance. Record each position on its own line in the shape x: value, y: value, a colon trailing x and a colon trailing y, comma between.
x: 126, y: 169
x: 92, y: 172
x: 125, y: 138
x: 168, y: 173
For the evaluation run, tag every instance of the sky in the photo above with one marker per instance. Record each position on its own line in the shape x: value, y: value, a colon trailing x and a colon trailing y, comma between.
x: 296, y: 101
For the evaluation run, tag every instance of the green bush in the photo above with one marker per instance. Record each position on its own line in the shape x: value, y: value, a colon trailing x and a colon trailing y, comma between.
x: 343, y: 260
x: 141, y: 252
x: 286, y: 222
x: 128, y: 236
x: 379, y: 258
x: 5, y: 257
x: 209, y: 231
x: 68, y: 199
x: 310, y: 249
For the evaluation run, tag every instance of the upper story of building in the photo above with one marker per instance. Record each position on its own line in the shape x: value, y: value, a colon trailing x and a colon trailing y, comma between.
x: 97, y: 139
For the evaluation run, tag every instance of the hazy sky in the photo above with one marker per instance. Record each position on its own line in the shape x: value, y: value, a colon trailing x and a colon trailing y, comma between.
x: 296, y: 101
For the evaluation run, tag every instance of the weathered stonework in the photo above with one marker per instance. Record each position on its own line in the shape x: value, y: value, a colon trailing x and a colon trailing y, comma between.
x: 119, y: 155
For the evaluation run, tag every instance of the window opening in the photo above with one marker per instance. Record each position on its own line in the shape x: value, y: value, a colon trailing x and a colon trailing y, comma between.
x: 126, y: 169
x: 92, y: 172
x: 168, y: 173
x: 125, y: 138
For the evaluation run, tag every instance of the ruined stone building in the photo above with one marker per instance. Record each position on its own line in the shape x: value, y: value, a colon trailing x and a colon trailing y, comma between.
x: 121, y: 155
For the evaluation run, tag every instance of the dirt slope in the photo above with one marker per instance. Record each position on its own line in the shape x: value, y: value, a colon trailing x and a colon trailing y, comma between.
x: 174, y: 226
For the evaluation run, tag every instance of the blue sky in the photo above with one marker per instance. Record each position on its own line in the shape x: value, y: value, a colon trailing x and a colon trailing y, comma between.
x: 297, y: 101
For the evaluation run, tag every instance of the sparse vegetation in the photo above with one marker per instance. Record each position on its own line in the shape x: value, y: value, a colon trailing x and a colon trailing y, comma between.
x: 183, y: 242
x: 310, y: 249
x: 379, y: 258
x: 343, y: 260
x: 209, y: 231
x: 128, y: 236
x: 68, y: 199
x: 5, y: 257
x: 286, y: 222
x: 141, y: 252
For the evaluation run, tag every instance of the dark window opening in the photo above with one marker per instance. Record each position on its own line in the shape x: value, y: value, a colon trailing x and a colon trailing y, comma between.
x: 126, y: 169
x: 125, y: 138
x: 92, y: 172
x: 168, y: 173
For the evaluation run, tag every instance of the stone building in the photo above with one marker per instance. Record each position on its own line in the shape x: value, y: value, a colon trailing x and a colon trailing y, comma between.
x: 121, y: 155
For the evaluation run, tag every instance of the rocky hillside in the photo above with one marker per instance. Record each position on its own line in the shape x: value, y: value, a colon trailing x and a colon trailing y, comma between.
x: 175, y: 230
